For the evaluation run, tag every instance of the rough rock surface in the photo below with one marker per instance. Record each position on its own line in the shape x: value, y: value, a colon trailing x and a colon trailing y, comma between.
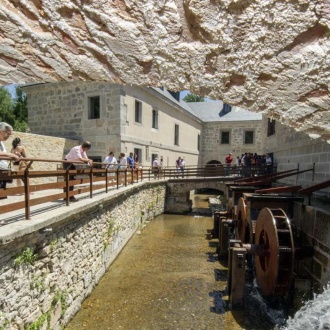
x: 267, y: 56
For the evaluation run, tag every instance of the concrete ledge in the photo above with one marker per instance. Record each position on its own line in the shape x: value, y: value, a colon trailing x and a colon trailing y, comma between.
x: 46, y: 219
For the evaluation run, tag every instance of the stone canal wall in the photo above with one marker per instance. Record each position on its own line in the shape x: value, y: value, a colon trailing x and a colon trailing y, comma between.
x: 312, y: 227
x: 49, y: 266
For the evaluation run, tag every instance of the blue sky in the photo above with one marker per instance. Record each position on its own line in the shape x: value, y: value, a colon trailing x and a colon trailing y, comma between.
x: 11, y: 89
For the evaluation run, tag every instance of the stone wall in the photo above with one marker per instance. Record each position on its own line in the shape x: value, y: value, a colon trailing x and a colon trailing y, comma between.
x: 72, y: 251
x: 212, y: 149
x: 297, y: 150
x: 62, y: 110
x: 313, y: 228
x: 43, y: 147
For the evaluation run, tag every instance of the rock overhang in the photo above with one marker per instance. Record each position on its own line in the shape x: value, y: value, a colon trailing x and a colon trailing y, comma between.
x: 270, y: 57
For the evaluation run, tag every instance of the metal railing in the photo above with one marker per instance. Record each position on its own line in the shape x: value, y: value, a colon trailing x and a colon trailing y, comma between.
x: 88, y: 180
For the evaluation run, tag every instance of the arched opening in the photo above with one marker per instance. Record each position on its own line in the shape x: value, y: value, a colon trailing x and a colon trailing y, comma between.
x: 213, y: 162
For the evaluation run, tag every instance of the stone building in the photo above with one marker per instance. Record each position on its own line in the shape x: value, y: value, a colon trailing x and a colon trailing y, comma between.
x: 147, y: 121
x: 151, y: 122
x: 228, y: 129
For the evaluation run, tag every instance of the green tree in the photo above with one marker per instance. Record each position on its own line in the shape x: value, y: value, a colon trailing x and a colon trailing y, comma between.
x: 193, y: 98
x: 6, y: 107
x: 20, y: 111
x: 14, y: 111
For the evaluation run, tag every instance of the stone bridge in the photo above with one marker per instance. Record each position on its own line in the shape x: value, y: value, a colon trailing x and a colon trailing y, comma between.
x: 178, y: 191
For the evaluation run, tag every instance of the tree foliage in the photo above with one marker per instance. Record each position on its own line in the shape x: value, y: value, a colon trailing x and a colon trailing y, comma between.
x: 193, y: 98
x: 14, y: 111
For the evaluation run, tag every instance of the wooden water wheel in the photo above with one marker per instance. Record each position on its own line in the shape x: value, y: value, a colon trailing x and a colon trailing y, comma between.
x: 274, y: 267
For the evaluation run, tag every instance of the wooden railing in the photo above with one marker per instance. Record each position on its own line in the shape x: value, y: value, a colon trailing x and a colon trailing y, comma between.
x: 88, y: 180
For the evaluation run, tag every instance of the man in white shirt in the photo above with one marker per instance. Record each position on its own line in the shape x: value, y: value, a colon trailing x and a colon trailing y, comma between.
x: 111, y: 161
x: 77, y: 154
x: 6, y: 131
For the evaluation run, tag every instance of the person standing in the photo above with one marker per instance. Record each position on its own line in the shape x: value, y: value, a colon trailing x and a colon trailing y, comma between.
x: 19, y: 150
x: 123, y: 161
x: 130, y: 160
x: 155, y: 167
x: 228, y: 160
x: 6, y: 131
x: 177, y: 164
x: 269, y: 164
x: 77, y: 154
x: 182, y: 166
x: 111, y: 161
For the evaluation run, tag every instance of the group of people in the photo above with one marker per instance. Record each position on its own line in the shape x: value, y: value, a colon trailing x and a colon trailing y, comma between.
x: 76, y: 154
x: 123, y: 162
x: 180, y: 166
x: 247, y: 160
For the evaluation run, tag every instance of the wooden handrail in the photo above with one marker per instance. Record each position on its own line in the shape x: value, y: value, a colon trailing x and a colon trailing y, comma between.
x: 97, y: 178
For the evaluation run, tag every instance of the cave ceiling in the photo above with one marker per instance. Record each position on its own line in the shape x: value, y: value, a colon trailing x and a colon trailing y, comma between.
x: 265, y: 56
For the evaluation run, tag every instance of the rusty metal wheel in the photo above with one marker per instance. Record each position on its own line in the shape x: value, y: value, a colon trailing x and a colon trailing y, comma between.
x: 242, y: 230
x: 274, y: 267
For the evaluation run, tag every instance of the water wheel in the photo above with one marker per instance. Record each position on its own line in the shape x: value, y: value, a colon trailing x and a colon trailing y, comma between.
x: 242, y: 230
x: 274, y: 267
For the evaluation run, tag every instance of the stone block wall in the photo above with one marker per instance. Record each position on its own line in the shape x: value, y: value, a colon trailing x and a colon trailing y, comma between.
x: 43, y: 147
x: 62, y: 110
x: 212, y: 149
x: 297, y: 150
x: 46, y: 274
x: 313, y: 227
x: 178, y: 192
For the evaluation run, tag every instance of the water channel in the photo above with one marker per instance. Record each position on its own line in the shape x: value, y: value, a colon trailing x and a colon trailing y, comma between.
x: 167, y: 277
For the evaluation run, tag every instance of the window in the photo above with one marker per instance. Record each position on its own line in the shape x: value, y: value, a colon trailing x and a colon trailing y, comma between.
x: 138, y: 112
x: 271, y: 127
x: 249, y: 137
x: 198, y: 142
x: 225, y: 137
x: 94, y: 107
x: 226, y: 109
x: 155, y: 119
x: 176, y: 135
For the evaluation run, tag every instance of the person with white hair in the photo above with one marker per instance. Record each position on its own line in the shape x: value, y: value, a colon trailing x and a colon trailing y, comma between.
x: 6, y: 131
x: 155, y: 167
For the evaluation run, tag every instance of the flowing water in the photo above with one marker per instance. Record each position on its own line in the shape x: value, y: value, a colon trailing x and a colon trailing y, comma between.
x: 166, y: 277
x: 314, y: 315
